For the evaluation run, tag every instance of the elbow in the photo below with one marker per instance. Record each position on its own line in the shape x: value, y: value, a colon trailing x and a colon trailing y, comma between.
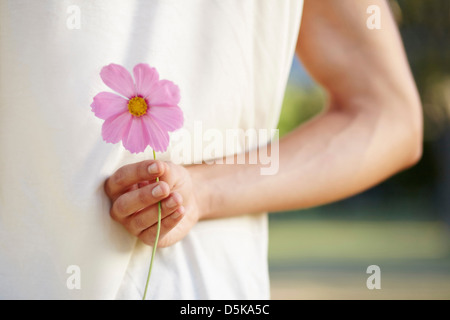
x: 414, y: 137
x: 415, y: 153
x: 401, y: 122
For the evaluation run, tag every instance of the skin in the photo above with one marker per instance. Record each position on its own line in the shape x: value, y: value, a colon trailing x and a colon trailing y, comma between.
x: 371, y: 129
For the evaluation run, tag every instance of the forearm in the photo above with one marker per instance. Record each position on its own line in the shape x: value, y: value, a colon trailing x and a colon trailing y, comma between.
x: 340, y: 153
x: 372, y: 129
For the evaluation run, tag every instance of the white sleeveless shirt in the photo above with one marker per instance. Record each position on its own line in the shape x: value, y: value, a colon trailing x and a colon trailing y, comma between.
x: 230, y: 59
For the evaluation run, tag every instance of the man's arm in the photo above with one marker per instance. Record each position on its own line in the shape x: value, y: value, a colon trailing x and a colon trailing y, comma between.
x: 372, y: 127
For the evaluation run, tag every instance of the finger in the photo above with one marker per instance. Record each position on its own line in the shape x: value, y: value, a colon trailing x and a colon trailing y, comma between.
x: 169, y: 173
x: 143, y: 184
x: 148, y: 236
x: 133, y: 201
x: 131, y: 174
x: 147, y: 217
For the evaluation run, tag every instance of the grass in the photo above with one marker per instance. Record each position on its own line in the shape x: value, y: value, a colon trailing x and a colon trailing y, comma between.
x: 357, y: 240
x: 328, y: 259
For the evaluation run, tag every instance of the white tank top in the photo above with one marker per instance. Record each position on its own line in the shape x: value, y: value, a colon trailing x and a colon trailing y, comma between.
x: 230, y: 59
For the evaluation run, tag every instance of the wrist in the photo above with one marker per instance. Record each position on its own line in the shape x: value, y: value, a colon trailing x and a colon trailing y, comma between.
x: 202, y: 190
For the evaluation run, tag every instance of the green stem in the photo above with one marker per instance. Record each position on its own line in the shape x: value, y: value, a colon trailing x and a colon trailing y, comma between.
x: 156, y: 240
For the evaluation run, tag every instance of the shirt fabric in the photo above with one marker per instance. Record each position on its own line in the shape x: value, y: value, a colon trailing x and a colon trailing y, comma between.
x: 230, y: 59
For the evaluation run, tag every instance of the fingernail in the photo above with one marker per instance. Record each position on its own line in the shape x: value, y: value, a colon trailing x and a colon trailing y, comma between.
x: 157, y: 191
x: 153, y: 168
x: 178, y: 213
x: 171, y: 203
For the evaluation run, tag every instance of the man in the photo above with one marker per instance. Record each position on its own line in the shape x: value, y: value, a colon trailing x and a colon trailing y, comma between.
x: 214, y: 228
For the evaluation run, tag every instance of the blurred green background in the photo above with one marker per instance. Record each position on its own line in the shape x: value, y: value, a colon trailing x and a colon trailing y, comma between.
x: 401, y: 225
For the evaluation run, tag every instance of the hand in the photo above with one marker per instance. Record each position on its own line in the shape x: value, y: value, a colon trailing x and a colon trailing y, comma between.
x: 135, y: 193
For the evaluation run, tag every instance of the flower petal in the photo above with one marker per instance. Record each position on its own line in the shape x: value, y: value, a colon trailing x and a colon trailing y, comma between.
x: 108, y: 104
x: 157, y: 137
x: 119, y: 79
x: 136, y: 139
x: 145, y: 78
x: 164, y: 93
x: 169, y: 118
x: 115, y: 127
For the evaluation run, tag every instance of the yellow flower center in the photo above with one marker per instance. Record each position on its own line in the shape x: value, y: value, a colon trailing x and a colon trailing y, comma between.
x: 137, y: 106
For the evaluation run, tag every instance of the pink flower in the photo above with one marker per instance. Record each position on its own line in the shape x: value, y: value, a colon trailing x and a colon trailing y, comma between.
x: 144, y: 112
